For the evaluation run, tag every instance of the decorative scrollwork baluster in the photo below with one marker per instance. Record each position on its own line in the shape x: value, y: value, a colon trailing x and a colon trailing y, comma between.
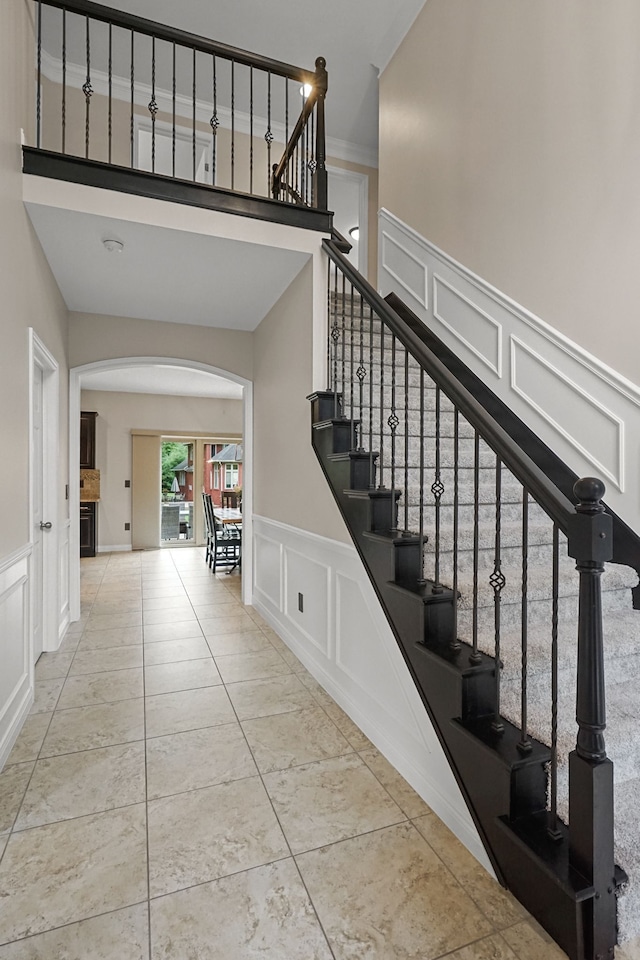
x: 497, y: 581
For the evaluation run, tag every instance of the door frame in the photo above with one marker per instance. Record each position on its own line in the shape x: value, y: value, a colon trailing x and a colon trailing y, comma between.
x: 41, y: 356
x: 362, y: 180
x: 121, y: 363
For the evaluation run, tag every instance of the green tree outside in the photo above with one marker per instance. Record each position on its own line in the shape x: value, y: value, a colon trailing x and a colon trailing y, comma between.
x: 172, y: 454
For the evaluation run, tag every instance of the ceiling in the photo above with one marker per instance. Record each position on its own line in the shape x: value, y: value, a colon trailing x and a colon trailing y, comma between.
x: 162, y: 274
x: 165, y: 379
x: 356, y: 37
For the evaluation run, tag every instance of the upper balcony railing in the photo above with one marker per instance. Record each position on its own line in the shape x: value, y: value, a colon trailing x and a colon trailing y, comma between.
x: 120, y: 94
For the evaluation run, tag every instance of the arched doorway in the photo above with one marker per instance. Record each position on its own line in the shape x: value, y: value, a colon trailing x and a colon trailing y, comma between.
x: 122, y: 363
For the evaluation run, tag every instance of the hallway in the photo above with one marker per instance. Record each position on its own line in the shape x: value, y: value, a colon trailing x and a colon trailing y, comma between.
x: 184, y: 790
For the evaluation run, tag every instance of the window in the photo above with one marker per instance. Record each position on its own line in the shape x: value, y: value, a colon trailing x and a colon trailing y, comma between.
x: 216, y: 476
x: 230, y: 476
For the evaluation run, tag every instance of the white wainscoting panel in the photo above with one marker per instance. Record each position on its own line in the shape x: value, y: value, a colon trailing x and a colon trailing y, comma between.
x: 16, y: 673
x: 465, y: 321
x: 64, y: 617
x: 312, y: 621
x: 343, y: 639
x: 585, y: 411
x: 405, y: 268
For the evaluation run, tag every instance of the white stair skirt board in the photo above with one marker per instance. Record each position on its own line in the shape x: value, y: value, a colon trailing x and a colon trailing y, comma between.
x: 345, y: 642
x: 585, y: 411
x: 621, y: 622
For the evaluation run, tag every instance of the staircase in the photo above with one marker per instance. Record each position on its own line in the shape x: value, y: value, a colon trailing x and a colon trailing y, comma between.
x: 479, y: 560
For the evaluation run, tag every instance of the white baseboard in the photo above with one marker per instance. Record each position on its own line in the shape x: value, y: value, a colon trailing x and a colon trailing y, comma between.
x: 345, y: 642
x: 114, y: 548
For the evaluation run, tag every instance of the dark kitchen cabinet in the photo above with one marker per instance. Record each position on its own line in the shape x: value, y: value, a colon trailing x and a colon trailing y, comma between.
x: 87, y: 440
x: 88, y: 529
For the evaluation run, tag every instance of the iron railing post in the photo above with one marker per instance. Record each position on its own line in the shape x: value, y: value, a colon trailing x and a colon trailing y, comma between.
x: 591, y: 849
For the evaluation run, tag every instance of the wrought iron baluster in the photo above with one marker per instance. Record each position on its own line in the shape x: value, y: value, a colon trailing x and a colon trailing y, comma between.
x: 193, y: 117
x: 110, y: 69
x: 311, y: 196
x: 393, y: 420
x: 361, y: 373
x: 553, y: 827
x: 87, y: 89
x: 64, y: 85
x: 524, y: 744
x: 335, y: 336
x: 173, y: 127
x: 437, y: 489
x: 421, y: 481
x: 153, y: 106
x: 371, y: 471
x: 343, y: 344
x: 287, y: 178
x: 406, y: 440
x: 251, y: 129
x: 497, y: 581
x: 381, y: 452
x: 214, y: 123
x: 268, y: 135
x: 39, y: 79
x: 455, y: 643
x: 131, y: 144
x: 330, y: 267
x: 303, y: 170
x: 233, y: 122
x: 352, y: 437
x: 475, y: 657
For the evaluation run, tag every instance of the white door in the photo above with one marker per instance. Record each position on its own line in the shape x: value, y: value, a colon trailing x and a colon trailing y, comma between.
x: 38, y: 532
x: 43, y: 495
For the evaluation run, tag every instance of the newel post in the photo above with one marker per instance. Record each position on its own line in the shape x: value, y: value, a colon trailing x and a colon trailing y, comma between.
x: 321, y: 192
x: 590, y: 772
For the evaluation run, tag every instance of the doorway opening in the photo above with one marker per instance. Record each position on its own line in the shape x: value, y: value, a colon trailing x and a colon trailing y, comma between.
x: 130, y: 374
x: 177, y: 492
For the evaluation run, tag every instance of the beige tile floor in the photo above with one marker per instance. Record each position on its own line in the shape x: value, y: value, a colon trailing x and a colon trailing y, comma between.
x: 184, y: 790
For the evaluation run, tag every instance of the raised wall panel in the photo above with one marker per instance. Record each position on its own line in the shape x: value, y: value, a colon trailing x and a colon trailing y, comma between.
x: 471, y: 326
x: 16, y: 674
x: 63, y: 580
x: 581, y: 419
x: 583, y: 410
x: 311, y: 579
x: 405, y: 268
x: 267, y: 568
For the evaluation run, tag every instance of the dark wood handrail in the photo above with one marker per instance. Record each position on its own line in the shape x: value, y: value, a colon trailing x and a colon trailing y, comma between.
x: 626, y: 543
x: 97, y: 11
x: 546, y: 493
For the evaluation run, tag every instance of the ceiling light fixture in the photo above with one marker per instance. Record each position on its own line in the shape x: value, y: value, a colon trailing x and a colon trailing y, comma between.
x: 306, y: 89
x: 354, y: 233
x: 113, y: 246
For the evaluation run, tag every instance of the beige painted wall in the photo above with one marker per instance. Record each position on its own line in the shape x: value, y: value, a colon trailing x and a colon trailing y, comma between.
x: 289, y: 485
x: 118, y: 415
x: 30, y: 296
x: 95, y: 337
x: 145, y: 503
x: 510, y: 137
